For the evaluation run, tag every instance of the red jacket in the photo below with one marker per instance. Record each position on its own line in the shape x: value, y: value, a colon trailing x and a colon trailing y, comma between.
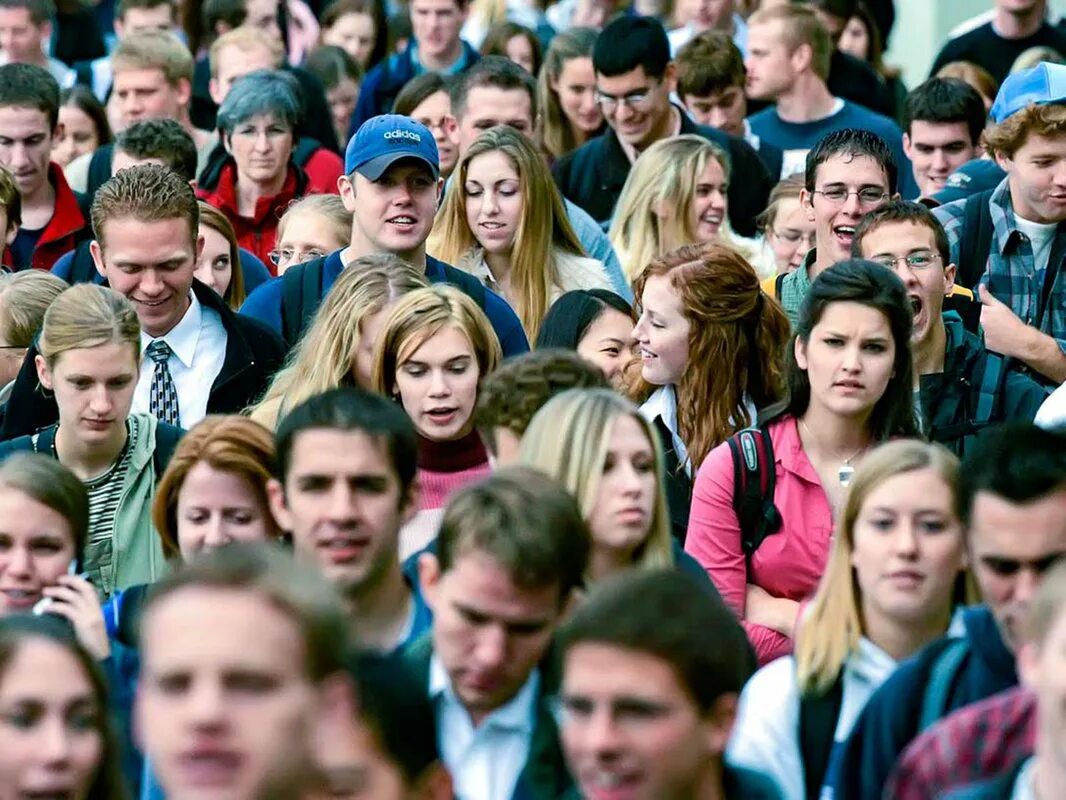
x: 323, y: 168
x: 64, y: 230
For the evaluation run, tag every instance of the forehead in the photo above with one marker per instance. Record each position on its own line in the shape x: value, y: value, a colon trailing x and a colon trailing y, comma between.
x: 476, y: 579
x: 22, y: 514
x: 493, y: 161
x: 613, y: 672
x: 851, y: 169
x: 15, y: 16
x: 1024, y: 531
x: 334, y: 451
x: 145, y: 241
x: 483, y: 101
x: 235, y: 60
x: 43, y: 669
x: 1036, y: 144
x: 153, y: 14
x: 22, y: 122
x: 434, y: 5
x: 110, y: 360
x: 766, y: 33
x: 660, y: 296
x: 856, y: 318
x: 925, y: 132
x: 436, y: 103
x: 135, y: 76
x: 307, y: 227
x: 636, y: 78
x: 444, y: 344
x: 891, y: 237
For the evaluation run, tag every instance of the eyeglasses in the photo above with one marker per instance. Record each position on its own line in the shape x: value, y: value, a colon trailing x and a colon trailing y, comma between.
x: 796, y: 237
x: 282, y: 258
x: 637, y: 101
x: 919, y: 260
x: 838, y: 195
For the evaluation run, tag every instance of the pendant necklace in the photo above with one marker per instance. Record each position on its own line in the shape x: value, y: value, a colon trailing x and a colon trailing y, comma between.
x: 846, y: 471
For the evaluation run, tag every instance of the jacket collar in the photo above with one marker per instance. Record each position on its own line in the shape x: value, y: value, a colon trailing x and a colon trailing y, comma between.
x: 67, y: 218
x: 239, y: 355
x: 616, y: 164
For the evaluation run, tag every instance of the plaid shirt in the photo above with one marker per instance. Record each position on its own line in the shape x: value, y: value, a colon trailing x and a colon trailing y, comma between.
x: 977, y: 742
x: 1011, y: 274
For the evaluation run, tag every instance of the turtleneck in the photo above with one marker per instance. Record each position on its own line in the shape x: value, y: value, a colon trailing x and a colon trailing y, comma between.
x: 455, y: 455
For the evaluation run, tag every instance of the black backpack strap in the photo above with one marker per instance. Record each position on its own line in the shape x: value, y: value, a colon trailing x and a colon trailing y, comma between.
x: 975, y: 241
x: 778, y: 283
x: 82, y: 267
x: 301, y: 291
x: 818, y: 715
x: 166, y: 439
x: 753, y: 487
x: 99, y: 169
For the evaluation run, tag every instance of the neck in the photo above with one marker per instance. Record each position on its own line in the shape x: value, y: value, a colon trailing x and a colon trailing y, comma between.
x: 444, y: 60
x: 903, y: 638
x: 832, y: 435
x: 1018, y: 26
x: 358, y: 248
x: 580, y: 136
x: 42, y: 199
x: 1049, y: 772
x: 823, y: 260
x: 808, y: 99
x: 929, y: 354
x: 380, y: 611
x: 709, y: 785
x: 607, y: 561
x: 663, y: 129
x: 249, y: 192
x: 499, y: 265
x: 87, y: 461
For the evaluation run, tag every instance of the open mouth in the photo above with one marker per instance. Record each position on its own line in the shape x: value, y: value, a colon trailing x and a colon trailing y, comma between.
x: 916, y: 304
x: 442, y: 416
x: 845, y: 234
x: 603, y: 784
x: 491, y: 226
x: 403, y: 220
x: 21, y: 598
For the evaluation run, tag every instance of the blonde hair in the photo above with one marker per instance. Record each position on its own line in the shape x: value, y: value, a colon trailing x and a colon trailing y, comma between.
x: 87, y: 315
x: 420, y: 315
x: 830, y: 631
x: 329, y: 207
x: 1009, y: 136
x: 154, y: 50
x: 568, y: 440
x: 245, y: 39
x: 323, y: 358
x: 972, y: 74
x: 24, y: 299
x: 1034, y: 57
x: 800, y: 26
x: 663, y: 178
x: 543, y: 230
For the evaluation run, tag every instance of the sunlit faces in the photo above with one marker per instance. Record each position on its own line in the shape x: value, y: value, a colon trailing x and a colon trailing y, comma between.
x: 93, y: 389
x: 708, y: 209
x: 215, y: 265
x: 76, y: 135
x: 342, y: 99
x: 1037, y: 174
x: 225, y: 709
x: 724, y: 110
x: 631, y: 730
x: 625, y: 498
x: 487, y: 106
x: 908, y: 549
x: 1012, y: 545
x: 261, y: 147
x: 50, y: 724
x: 835, y: 222
x: 435, y: 112
x: 25, y: 146
x: 263, y: 15
x: 488, y: 632
x: 307, y: 235
x: 848, y: 359
x: 216, y: 507
x: 21, y: 40
x: 493, y: 199
x: 636, y: 105
x: 343, y: 504
x: 231, y: 63
x: 36, y: 547
x: 936, y: 149
x: 152, y: 264
x: 363, y: 362
x: 437, y: 382
x: 435, y: 25
x: 355, y: 34
x: 520, y: 51
x: 576, y: 88
x: 792, y: 235
x: 662, y: 332
x: 607, y: 344
x: 926, y: 285
x: 770, y: 65
x: 395, y: 213
x: 139, y: 94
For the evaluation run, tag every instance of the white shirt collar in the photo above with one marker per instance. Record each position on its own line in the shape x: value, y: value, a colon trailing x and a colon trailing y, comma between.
x: 663, y: 404
x: 516, y: 714
x: 183, y: 337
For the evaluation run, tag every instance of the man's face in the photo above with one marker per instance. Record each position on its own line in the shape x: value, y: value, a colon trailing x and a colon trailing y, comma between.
x: 635, y: 104
x: 1042, y: 669
x: 706, y: 14
x: 486, y: 107
x: 927, y: 278
x: 1011, y: 546
x: 343, y: 505
x: 236, y: 62
x: 225, y: 709
x: 152, y: 264
x: 139, y: 94
x: 1037, y: 173
x: 724, y: 110
x: 393, y: 214
x: 26, y: 147
x: 835, y: 221
x: 769, y: 63
x: 21, y: 41
x: 630, y: 729
x: 435, y: 25
x: 145, y: 20
x: 488, y: 632
x: 936, y: 149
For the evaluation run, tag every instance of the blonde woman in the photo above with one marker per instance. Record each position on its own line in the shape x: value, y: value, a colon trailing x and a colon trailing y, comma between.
x: 674, y: 195
x: 435, y: 347
x: 504, y: 222
x: 90, y: 355
x: 311, y: 227
x: 896, y: 573
x: 787, y: 233
x: 338, y: 348
x: 24, y: 298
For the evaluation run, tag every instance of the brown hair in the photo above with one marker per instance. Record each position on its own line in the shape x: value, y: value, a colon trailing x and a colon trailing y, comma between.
x: 786, y: 189
x: 216, y: 220
x: 24, y: 299
x: 147, y: 193
x: 154, y: 50
x: 708, y: 64
x: 245, y: 39
x: 1007, y: 137
x: 800, y: 26
x: 10, y: 199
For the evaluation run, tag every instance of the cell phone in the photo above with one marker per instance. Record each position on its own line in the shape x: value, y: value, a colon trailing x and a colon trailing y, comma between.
x: 45, y: 603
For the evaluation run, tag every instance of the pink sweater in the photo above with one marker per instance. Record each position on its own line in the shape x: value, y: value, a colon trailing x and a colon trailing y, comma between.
x: 788, y: 563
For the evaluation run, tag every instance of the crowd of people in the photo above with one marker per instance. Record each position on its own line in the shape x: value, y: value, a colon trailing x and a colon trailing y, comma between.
x: 431, y: 399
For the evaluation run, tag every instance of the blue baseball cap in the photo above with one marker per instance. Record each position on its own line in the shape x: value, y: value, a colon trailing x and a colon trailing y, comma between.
x: 383, y: 140
x: 972, y: 177
x: 1044, y: 84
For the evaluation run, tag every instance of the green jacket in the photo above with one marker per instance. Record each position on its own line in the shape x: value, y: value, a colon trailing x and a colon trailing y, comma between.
x: 545, y: 774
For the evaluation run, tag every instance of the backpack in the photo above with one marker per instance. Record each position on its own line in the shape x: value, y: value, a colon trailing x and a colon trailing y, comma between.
x: 753, y: 487
x: 943, y: 673
x: 975, y: 245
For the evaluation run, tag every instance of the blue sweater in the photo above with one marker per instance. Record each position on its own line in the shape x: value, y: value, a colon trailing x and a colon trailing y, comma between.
x: 796, y: 138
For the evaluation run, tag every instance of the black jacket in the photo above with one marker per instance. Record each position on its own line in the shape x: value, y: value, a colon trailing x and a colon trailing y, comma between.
x: 253, y: 354
x: 593, y: 175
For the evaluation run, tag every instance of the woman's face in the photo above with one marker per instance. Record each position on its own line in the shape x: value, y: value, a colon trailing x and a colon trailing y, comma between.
x: 791, y: 236
x: 520, y: 51
x: 306, y: 236
x: 94, y: 390
x: 216, y: 507
x: 493, y: 192
x: 849, y: 359
x: 77, y: 135
x: 342, y: 99
x: 908, y: 548
x: 261, y: 146
x: 363, y: 363
x: 435, y: 112
x: 662, y: 333
x: 215, y: 267
x: 855, y: 40
x: 709, y: 202
x: 607, y: 344
x: 36, y: 547
x: 50, y: 723
x: 576, y: 88
x: 354, y: 33
x: 625, y: 499
x: 437, y: 383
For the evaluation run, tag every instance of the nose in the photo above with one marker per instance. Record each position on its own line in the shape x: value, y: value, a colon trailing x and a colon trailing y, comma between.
x: 204, y: 707
x: 55, y: 743
x: 150, y: 284
x: 905, y: 541
x: 851, y: 359
x: 490, y: 203
x: 18, y: 156
x: 490, y: 648
x: 340, y: 505
x: 940, y: 161
x: 216, y: 531
x: 851, y: 205
x: 18, y: 563
x: 402, y: 196
x: 906, y: 273
x: 602, y: 736
x: 631, y: 484
x: 101, y: 401
x: 1025, y: 588
x: 588, y: 102
x: 438, y: 384
x: 638, y: 330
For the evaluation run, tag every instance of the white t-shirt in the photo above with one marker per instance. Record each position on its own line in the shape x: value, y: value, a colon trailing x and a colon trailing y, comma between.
x: 1041, y: 237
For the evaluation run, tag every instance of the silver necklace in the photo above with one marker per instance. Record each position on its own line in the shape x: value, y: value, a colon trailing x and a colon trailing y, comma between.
x: 846, y: 472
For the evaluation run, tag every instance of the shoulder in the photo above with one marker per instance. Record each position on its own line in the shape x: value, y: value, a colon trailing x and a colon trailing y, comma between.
x: 750, y: 784
x: 259, y: 336
x: 264, y: 304
x: 15, y: 445
x: 580, y: 272
x: 765, y: 118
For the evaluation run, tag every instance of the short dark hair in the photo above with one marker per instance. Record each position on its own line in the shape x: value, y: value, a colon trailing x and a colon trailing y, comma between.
x: 709, y: 64
x: 946, y: 100
x: 526, y: 522
x: 902, y: 211
x: 852, y: 142
x: 124, y: 6
x: 497, y: 72
x: 331, y: 65
x: 353, y: 411
x: 41, y: 11
x: 164, y: 139
x: 666, y: 614
x: 30, y: 86
x: 1017, y: 461
x: 843, y: 9
x: 570, y: 316
x: 631, y: 42
x: 416, y: 90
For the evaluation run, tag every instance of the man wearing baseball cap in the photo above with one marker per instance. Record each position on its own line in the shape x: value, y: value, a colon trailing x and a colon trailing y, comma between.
x: 392, y: 186
x: 1010, y: 242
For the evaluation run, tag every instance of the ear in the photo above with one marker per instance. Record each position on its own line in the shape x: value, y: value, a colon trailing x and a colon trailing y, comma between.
x: 215, y: 91
x: 1006, y: 164
x: 807, y: 202
x: 907, y: 145
x: 44, y: 375
x: 184, y: 90
x: 670, y: 77
x: 278, y: 505
x: 227, y: 142
x: 120, y: 29
x: 200, y: 242
x: 800, y: 351
x: 429, y: 579
x: 57, y: 133
x: 346, y: 189
x: 718, y: 722
x: 802, y: 57
x: 97, y: 252
x: 451, y: 129
x: 440, y: 190
x: 950, y: 271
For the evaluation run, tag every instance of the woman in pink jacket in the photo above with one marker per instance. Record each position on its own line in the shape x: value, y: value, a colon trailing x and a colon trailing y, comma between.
x: 850, y: 387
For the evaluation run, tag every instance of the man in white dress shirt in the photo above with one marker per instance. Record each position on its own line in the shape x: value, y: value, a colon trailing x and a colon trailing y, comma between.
x: 511, y: 551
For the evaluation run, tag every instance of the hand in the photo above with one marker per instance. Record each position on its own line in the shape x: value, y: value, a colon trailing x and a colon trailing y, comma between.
x: 776, y: 613
x: 75, y: 599
x: 1004, y: 331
